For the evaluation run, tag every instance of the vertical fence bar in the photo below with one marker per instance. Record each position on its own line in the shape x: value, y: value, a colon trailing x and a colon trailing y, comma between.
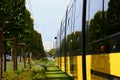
x: 65, y: 38
x: 84, y: 40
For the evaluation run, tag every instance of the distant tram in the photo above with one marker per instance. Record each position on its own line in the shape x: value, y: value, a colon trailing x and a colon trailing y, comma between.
x: 101, y: 40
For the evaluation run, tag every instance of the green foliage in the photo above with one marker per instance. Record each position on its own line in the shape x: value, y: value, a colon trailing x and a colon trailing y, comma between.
x: 38, y: 69
x: 95, y: 27
x: 52, y: 52
x: 16, y: 20
x: 5, y: 11
x: 17, y: 23
x: 26, y: 75
x: 74, y: 41
x: 105, y: 23
x: 113, y: 16
x: 37, y: 45
x: 10, y: 76
x: 37, y: 72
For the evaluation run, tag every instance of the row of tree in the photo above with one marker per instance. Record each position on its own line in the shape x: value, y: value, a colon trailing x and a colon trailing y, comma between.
x: 16, y: 29
x: 105, y: 23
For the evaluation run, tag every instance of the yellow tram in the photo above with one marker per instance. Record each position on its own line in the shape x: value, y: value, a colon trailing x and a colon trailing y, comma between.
x: 102, y: 40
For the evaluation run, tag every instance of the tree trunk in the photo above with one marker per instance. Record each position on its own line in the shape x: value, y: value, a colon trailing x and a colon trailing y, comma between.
x: 4, y: 55
x: 28, y: 55
x: 1, y: 52
x: 24, y: 56
x: 29, y: 60
x: 15, y: 54
x: 20, y: 54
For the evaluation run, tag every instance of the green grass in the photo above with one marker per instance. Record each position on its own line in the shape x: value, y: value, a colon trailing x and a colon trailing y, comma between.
x: 40, y: 70
x: 37, y: 71
x: 53, y: 73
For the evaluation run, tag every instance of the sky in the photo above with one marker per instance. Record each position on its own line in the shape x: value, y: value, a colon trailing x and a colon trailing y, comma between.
x: 47, y: 15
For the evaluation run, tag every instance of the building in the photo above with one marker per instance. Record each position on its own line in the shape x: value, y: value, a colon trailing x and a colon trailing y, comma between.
x: 48, y: 46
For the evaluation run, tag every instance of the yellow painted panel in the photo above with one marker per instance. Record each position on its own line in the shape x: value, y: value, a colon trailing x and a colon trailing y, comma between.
x: 88, y: 67
x: 56, y: 61
x: 115, y: 64
x: 100, y: 62
x: 62, y: 64
x: 75, y: 73
x: 68, y: 65
x: 107, y: 63
x: 79, y: 68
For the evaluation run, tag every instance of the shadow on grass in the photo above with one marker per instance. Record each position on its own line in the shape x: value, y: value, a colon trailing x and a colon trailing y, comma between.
x: 59, y: 78
x: 53, y: 73
x: 53, y: 70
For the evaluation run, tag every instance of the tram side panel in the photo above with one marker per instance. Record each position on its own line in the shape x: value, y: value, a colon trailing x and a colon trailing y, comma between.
x: 104, y: 38
x: 78, y: 68
x: 56, y: 62
x: 114, y: 64
x: 105, y: 64
x: 102, y: 59
x: 68, y: 65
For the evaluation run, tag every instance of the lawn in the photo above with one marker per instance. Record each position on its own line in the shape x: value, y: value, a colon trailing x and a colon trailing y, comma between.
x: 35, y: 72
x: 39, y: 70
